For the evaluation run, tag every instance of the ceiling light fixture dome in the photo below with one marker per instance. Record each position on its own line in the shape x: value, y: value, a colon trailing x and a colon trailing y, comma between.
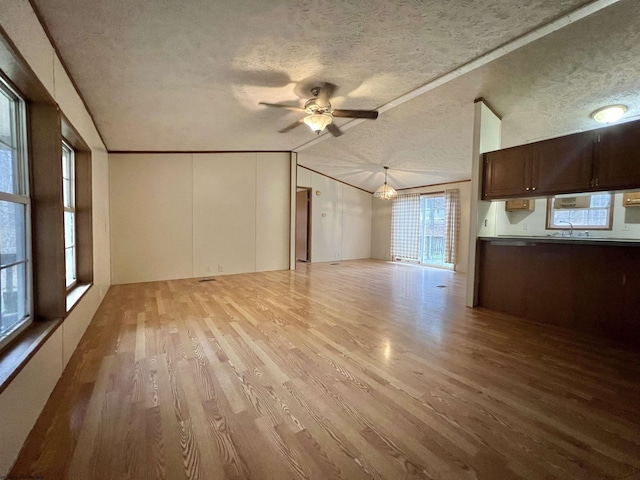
x: 609, y: 114
x: 318, y: 121
x: 384, y: 191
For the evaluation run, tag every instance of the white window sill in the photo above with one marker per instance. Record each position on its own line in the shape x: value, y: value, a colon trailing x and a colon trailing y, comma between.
x: 75, y: 294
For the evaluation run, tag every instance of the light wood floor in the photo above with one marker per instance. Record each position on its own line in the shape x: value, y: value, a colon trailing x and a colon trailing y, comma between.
x: 358, y: 370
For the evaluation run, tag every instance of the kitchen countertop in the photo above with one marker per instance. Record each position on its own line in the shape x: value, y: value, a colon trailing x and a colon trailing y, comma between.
x: 514, y: 239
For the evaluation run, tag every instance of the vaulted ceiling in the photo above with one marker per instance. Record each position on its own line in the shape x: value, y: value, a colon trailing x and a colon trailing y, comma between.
x: 168, y: 75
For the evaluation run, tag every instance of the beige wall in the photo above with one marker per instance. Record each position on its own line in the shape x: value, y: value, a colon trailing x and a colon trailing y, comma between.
x: 340, y: 218
x: 194, y: 215
x: 381, y: 223
x: 22, y: 401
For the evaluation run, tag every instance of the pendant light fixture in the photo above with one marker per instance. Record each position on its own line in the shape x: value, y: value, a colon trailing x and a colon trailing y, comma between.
x: 385, y: 192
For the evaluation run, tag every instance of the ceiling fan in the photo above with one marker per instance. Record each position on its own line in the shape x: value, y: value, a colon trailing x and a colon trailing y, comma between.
x: 320, y: 113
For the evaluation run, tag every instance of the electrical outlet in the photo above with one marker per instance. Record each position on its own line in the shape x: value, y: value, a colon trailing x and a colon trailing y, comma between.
x: 525, y: 226
x: 209, y: 268
x: 486, y: 222
x: 626, y: 227
x: 220, y: 268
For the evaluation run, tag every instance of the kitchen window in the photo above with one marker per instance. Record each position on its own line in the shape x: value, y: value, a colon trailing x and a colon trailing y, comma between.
x: 583, y: 212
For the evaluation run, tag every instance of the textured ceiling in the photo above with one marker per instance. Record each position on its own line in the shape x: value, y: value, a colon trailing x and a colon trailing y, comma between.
x: 547, y: 88
x: 174, y: 75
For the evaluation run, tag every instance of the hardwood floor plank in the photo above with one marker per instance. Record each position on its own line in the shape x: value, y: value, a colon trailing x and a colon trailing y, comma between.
x: 361, y: 370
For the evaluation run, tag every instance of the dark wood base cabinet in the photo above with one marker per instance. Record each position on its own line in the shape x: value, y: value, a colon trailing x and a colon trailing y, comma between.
x: 589, y: 288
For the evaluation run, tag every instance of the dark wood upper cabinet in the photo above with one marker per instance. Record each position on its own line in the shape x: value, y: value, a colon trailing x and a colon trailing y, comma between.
x: 617, y: 157
x: 563, y: 165
x: 559, y: 165
x: 598, y: 160
x: 507, y: 173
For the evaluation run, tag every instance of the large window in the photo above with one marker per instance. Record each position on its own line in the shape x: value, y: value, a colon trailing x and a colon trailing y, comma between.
x: 583, y: 212
x: 15, y: 266
x: 69, y: 203
x: 425, y: 228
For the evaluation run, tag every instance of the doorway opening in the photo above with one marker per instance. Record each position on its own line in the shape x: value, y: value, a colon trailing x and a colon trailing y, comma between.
x: 433, y: 219
x: 303, y: 225
x: 425, y: 228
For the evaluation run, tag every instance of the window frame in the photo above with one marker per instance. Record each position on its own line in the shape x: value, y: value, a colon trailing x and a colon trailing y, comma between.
x: 550, y: 226
x: 423, y: 197
x: 22, y: 197
x: 71, y: 208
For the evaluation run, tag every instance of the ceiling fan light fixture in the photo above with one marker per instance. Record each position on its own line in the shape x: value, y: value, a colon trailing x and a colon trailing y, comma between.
x: 318, y: 121
x: 384, y: 191
x: 609, y: 114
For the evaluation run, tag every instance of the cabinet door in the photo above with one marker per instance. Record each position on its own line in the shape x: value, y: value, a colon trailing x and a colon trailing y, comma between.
x: 502, y: 279
x: 618, y: 157
x: 563, y: 165
x: 598, y: 292
x: 631, y: 316
x: 520, y: 205
x: 507, y: 173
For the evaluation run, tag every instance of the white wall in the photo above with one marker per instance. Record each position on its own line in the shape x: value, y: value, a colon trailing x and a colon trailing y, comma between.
x: 381, y: 223
x: 193, y: 215
x: 626, y: 221
x: 356, y: 223
x: 340, y: 218
x: 273, y: 211
x: 381, y: 229
x: 23, y: 399
x: 151, y: 217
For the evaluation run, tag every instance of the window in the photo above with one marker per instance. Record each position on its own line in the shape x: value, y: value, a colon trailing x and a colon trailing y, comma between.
x: 432, y: 229
x: 69, y: 204
x: 15, y: 265
x: 405, y: 227
x: 425, y: 228
x: 584, y: 212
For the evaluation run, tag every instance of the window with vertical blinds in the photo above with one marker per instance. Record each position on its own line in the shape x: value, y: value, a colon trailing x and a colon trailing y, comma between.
x: 405, y: 227
x: 425, y: 228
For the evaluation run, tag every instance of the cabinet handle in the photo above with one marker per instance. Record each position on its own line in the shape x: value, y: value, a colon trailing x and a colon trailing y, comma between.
x: 527, y: 189
x: 596, y: 182
x: 533, y: 188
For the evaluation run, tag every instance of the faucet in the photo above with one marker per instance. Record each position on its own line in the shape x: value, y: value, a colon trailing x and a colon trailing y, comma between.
x: 570, y: 226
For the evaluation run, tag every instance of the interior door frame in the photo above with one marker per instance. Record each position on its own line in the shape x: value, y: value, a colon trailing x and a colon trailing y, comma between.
x: 309, y: 222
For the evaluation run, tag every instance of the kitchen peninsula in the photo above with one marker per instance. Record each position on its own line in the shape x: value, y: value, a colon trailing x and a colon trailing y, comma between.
x: 584, y: 280
x: 590, y: 285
